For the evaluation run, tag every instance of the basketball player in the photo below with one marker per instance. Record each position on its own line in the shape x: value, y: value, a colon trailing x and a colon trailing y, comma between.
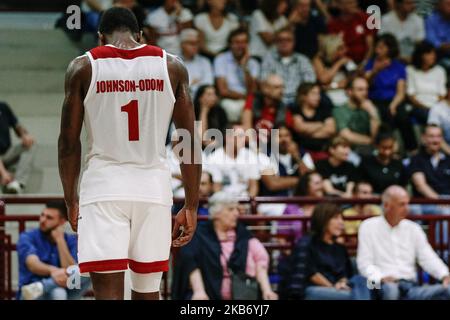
x: 127, y: 94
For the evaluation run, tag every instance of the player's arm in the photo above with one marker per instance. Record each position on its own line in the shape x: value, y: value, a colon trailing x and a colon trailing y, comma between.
x: 191, y: 168
x: 69, y: 146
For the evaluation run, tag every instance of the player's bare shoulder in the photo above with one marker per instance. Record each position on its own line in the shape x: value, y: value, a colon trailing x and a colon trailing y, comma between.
x: 79, y: 71
x: 177, y: 72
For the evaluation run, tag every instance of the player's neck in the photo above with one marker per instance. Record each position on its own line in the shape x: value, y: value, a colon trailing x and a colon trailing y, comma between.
x: 122, y: 40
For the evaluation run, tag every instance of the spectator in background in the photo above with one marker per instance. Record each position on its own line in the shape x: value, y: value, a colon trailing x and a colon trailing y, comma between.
x: 45, y: 254
x: 264, y: 23
x: 308, y: 26
x: 440, y: 115
x: 387, y: 78
x: 92, y: 10
x: 339, y: 175
x: 333, y: 67
x: 405, y: 25
x: 205, y: 191
x: 19, y: 156
x: 382, y: 169
x: 263, y: 110
x: 139, y: 11
x: 167, y: 22
x: 209, y: 112
x: 293, y: 67
x: 357, y: 121
x: 389, y: 246
x: 199, y: 68
x: 426, y: 81
x: 236, y: 73
x: 437, y: 26
x: 215, y: 26
x: 310, y: 185
x: 234, y: 167
x: 425, y: 7
x: 362, y: 190
x: 328, y: 270
x: 220, y: 246
x: 312, y: 121
x: 352, y: 22
x: 430, y: 170
x: 290, y: 167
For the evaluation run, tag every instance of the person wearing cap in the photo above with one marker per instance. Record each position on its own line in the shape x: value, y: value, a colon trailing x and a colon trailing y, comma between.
x: 199, y: 68
x: 220, y: 246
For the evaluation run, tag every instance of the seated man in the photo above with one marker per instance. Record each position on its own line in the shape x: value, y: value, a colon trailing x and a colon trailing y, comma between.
x: 357, y: 121
x: 199, y: 67
x: 236, y: 74
x: 234, y: 168
x: 389, y: 247
x: 293, y: 67
x: 45, y: 254
x: 430, y: 170
x: 363, y: 190
x: 19, y: 156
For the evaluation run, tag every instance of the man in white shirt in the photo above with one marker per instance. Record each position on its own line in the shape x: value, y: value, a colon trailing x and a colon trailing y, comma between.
x: 235, y: 168
x: 389, y: 247
x: 405, y: 25
x: 167, y: 21
x: 199, y: 68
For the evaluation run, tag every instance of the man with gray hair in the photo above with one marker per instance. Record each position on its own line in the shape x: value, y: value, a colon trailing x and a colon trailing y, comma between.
x: 389, y: 247
x: 199, y: 68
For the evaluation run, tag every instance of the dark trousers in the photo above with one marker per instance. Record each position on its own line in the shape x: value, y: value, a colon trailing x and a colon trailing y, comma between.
x: 401, y: 121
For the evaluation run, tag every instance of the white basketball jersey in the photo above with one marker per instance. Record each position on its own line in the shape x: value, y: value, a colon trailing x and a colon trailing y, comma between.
x: 128, y: 109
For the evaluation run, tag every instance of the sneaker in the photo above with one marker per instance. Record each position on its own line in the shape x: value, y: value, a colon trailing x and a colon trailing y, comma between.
x: 13, y: 187
x: 32, y: 291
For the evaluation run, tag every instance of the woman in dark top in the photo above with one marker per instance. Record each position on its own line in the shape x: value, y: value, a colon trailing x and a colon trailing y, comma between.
x: 387, y: 78
x: 209, y: 112
x: 383, y: 169
x: 328, y: 269
x: 312, y: 120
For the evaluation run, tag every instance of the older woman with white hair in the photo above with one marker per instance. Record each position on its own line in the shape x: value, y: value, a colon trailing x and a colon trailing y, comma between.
x: 220, y: 247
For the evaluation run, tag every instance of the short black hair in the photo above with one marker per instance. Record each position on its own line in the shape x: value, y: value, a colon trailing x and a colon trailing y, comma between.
x: 237, y: 32
x: 385, y: 132
x: 419, y: 50
x: 118, y: 19
x: 391, y: 43
x: 58, y: 205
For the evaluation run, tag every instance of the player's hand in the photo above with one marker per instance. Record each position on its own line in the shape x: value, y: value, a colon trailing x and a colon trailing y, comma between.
x: 73, y: 212
x: 184, y: 227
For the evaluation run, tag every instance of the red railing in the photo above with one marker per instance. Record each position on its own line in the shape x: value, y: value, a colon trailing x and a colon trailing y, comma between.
x: 6, y: 246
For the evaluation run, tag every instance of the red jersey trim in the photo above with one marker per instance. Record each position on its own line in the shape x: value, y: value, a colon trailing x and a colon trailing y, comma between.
x: 103, y: 265
x: 148, y: 267
x: 105, y: 52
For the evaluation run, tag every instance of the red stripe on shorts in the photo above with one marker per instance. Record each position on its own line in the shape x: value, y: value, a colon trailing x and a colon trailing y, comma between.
x: 148, y: 267
x: 104, y: 265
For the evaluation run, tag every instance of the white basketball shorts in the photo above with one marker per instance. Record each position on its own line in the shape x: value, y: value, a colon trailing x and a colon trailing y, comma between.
x: 115, y: 235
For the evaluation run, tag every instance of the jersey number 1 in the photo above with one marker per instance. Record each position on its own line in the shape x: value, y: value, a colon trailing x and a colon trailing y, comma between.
x: 133, y: 119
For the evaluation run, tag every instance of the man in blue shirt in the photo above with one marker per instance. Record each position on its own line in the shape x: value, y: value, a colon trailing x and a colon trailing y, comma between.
x: 437, y: 27
x: 236, y: 73
x: 45, y: 254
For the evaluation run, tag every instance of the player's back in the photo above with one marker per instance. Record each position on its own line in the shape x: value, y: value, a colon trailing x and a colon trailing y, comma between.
x: 128, y: 109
